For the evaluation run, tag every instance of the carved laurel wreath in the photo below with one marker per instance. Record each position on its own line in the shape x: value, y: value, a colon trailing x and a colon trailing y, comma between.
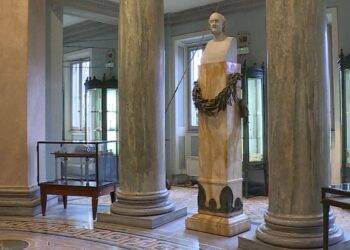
x: 218, y: 103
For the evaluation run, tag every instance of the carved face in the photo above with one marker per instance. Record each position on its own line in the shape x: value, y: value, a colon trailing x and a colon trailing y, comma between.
x: 216, y: 23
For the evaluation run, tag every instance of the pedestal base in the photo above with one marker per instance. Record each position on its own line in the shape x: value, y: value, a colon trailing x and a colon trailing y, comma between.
x: 297, y: 231
x: 248, y: 241
x: 142, y: 204
x: 25, y: 203
x: 141, y: 221
x: 218, y: 225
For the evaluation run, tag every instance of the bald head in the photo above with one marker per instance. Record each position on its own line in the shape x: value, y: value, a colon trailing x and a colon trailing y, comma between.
x: 218, y: 16
x: 217, y: 23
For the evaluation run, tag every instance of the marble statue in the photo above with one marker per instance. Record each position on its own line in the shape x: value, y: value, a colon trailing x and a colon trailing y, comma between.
x: 220, y: 208
x: 222, y: 48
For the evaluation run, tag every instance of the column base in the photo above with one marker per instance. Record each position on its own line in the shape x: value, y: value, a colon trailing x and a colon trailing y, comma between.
x: 142, y: 209
x: 149, y: 222
x: 224, y: 226
x: 22, y: 203
x: 297, y: 232
x: 142, y: 204
x: 248, y: 241
x: 297, y: 240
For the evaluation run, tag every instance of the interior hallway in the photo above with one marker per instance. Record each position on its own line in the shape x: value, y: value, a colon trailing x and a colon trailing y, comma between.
x: 73, y: 228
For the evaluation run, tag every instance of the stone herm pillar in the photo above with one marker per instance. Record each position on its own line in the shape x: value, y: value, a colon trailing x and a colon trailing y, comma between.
x: 298, y: 128
x: 220, y: 208
x: 142, y: 193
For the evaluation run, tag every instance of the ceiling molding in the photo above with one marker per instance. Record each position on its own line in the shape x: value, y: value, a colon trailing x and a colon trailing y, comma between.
x: 103, y: 11
x: 107, y: 12
x: 86, y: 29
x: 203, y: 12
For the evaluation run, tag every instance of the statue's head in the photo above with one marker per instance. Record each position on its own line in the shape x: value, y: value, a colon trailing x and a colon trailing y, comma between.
x: 217, y: 23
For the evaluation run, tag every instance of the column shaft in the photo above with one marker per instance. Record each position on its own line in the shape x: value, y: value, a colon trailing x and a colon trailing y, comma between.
x: 22, y: 103
x: 299, y: 125
x: 142, y: 122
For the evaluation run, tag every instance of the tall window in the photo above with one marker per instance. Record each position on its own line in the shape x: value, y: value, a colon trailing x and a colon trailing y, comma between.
x: 79, y: 73
x: 194, y: 56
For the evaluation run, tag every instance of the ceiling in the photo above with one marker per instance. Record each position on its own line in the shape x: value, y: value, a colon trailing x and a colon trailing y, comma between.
x: 69, y: 20
x: 170, y: 6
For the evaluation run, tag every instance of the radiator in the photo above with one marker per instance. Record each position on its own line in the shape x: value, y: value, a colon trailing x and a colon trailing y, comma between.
x: 192, y: 165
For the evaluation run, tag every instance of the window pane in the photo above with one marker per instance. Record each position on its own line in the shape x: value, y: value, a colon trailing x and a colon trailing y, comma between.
x: 111, y: 118
x: 255, y: 119
x: 196, y: 56
x: 347, y: 104
x: 94, y: 114
x: 75, y: 95
x: 85, y: 74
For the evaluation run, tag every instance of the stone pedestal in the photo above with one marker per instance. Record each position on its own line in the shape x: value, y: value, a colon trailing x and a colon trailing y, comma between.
x: 214, y: 224
x: 298, y: 128
x: 220, y: 163
x: 149, y: 221
x: 22, y: 102
x: 142, y: 177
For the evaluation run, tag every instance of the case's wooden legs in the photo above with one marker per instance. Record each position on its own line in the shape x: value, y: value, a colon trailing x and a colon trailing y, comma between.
x: 43, y: 202
x: 112, y: 197
x: 94, y: 206
x: 64, y: 201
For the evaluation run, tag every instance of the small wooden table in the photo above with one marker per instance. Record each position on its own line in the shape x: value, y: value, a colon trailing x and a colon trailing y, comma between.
x: 338, y: 196
x: 76, y: 188
x: 101, y: 181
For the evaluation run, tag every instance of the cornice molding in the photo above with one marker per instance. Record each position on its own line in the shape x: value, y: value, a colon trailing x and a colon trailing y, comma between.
x: 85, y: 30
x: 203, y: 12
x: 106, y: 12
x: 103, y: 11
x: 92, y: 5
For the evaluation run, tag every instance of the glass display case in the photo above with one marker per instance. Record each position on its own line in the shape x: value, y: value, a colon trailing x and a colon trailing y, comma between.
x: 84, y: 168
x: 344, y: 67
x: 102, y: 106
x: 254, y: 131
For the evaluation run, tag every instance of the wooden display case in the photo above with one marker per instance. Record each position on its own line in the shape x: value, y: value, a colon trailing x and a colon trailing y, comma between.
x: 255, y: 169
x: 87, y: 168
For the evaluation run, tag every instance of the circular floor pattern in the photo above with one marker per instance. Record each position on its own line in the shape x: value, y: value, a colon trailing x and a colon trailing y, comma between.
x: 13, y: 244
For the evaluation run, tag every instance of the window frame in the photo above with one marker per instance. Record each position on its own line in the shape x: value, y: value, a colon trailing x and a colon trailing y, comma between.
x: 82, y: 94
x: 189, y: 60
x: 70, y: 58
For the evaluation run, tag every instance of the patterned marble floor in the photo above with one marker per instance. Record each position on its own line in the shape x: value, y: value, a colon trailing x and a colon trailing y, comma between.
x: 40, y: 241
x: 73, y: 228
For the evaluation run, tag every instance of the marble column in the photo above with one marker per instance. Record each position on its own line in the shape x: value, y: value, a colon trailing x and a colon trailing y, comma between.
x: 22, y: 103
x: 142, y: 190
x: 298, y: 128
